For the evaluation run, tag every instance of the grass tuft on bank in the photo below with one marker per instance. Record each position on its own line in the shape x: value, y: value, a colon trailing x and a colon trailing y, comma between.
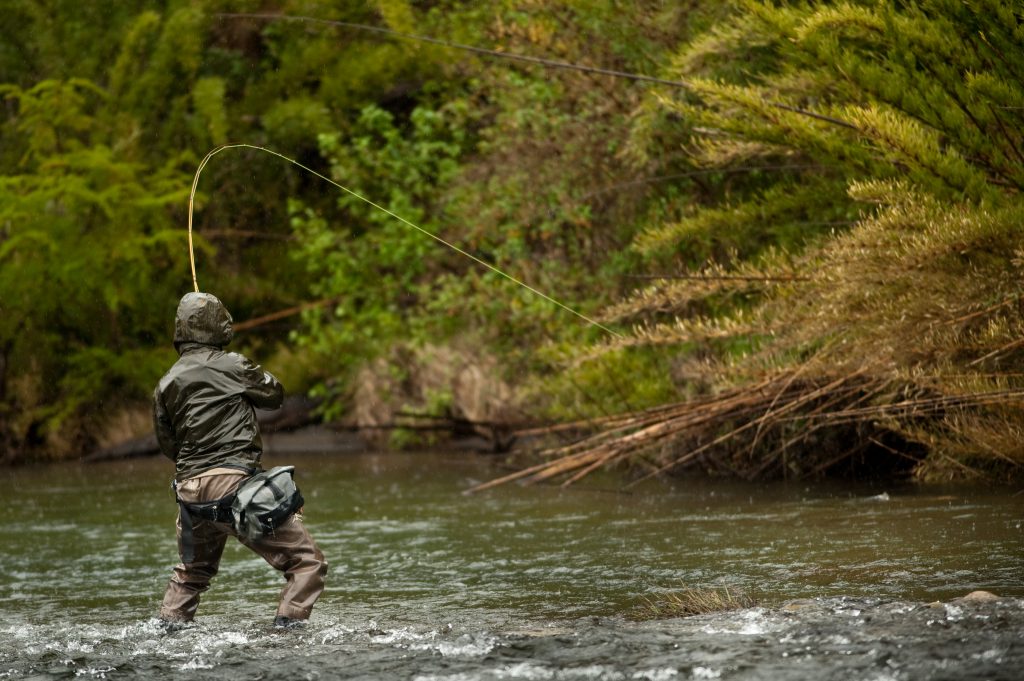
x: 691, y: 601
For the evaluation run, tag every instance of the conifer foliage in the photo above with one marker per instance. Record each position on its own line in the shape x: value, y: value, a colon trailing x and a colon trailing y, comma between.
x: 900, y: 124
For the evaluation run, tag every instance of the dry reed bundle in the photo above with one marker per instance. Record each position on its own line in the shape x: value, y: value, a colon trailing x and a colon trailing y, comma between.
x: 689, y: 602
x: 787, y: 424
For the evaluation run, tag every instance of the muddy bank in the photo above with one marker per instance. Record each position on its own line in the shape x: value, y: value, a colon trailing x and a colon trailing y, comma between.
x: 317, y: 438
x: 297, y: 427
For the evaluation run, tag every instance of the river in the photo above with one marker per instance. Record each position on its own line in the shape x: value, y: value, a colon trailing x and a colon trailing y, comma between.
x: 852, y: 581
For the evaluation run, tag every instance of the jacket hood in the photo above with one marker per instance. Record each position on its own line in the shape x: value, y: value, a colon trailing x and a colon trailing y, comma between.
x: 202, y: 318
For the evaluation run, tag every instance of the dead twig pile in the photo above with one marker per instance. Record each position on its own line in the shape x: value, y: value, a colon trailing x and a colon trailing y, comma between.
x: 786, y: 425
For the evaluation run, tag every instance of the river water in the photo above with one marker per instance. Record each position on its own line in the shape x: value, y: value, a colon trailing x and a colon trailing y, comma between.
x: 852, y: 582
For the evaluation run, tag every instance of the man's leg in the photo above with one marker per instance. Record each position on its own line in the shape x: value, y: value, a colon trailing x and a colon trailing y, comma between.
x: 191, y: 579
x: 291, y: 550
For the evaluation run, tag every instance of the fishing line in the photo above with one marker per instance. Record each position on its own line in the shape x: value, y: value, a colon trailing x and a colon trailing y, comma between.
x: 552, y: 63
x: 460, y: 46
x: 492, y: 268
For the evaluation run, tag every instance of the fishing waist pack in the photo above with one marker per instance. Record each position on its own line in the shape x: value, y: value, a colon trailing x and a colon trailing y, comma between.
x: 262, y: 503
x: 265, y: 501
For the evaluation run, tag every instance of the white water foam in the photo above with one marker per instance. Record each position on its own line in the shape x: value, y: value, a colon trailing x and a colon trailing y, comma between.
x: 752, y: 622
x: 662, y: 674
x: 706, y: 673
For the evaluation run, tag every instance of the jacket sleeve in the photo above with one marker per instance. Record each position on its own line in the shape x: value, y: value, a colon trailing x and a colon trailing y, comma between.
x: 260, y: 387
x: 164, y: 429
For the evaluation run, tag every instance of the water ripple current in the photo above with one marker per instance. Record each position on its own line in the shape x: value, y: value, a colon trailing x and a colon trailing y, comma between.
x: 825, y: 638
x: 853, y: 582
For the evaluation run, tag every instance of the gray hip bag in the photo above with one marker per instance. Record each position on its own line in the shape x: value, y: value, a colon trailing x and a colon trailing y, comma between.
x: 262, y: 503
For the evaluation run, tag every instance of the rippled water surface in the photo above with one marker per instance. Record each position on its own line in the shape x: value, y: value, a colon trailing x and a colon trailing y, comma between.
x: 520, y: 583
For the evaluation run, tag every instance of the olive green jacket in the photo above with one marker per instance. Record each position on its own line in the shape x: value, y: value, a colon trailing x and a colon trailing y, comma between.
x: 204, y: 406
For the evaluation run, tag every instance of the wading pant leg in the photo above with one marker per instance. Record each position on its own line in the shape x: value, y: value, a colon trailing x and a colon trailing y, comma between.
x: 191, y: 579
x: 291, y: 550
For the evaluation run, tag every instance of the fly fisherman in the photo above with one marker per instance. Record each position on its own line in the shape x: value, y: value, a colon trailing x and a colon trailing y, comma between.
x: 203, y: 411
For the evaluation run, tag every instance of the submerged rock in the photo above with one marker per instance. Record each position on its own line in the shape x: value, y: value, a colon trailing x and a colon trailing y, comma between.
x: 977, y: 597
x: 798, y: 605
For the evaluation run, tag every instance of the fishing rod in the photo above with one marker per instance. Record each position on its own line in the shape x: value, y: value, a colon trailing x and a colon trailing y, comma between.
x: 448, y: 244
x: 512, y: 56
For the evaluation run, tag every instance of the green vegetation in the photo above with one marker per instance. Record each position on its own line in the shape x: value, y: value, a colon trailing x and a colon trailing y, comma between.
x: 833, y: 199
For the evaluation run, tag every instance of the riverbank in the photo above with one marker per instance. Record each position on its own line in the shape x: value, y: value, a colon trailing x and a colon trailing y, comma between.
x: 297, y: 427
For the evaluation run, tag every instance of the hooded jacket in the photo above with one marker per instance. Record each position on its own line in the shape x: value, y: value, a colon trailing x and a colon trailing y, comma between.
x: 204, y: 406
